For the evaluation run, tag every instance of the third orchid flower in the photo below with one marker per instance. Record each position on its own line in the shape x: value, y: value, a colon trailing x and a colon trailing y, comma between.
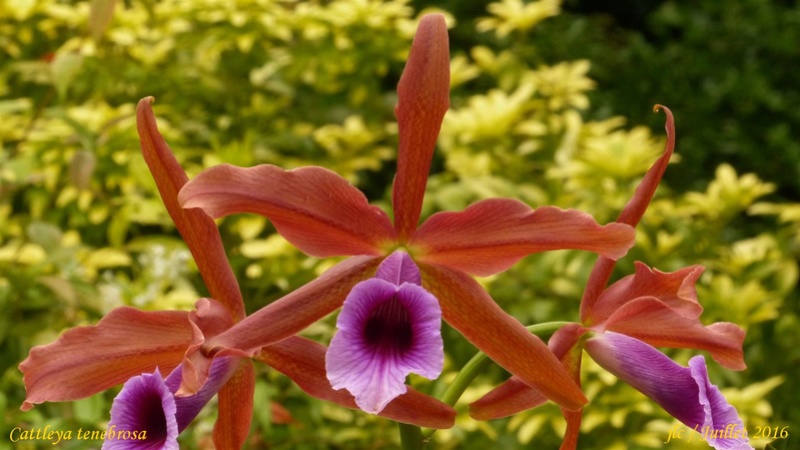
x: 625, y: 321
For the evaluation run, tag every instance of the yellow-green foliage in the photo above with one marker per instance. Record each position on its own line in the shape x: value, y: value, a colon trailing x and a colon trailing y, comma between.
x: 293, y: 83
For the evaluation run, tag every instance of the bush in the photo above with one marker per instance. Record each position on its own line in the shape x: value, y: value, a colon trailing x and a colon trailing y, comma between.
x: 82, y: 229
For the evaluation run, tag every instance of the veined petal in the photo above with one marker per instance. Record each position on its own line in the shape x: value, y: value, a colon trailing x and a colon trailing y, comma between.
x: 423, y: 99
x: 651, y: 320
x: 197, y: 229
x: 631, y: 215
x: 468, y: 308
x: 314, y: 208
x: 278, y: 320
x: 684, y: 392
x: 595, y: 285
x: 87, y: 360
x: 144, y: 404
x: 511, y: 397
x: 235, y: 408
x: 399, y: 268
x: 385, y: 332
x: 515, y: 396
x: 717, y: 410
x: 491, y: 235
x: 303, y: 361
x: 675, y: 289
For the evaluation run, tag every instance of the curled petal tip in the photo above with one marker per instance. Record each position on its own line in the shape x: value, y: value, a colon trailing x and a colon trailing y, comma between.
x: 670, y: 119
x: 658, y: 107
x: 145, y: 104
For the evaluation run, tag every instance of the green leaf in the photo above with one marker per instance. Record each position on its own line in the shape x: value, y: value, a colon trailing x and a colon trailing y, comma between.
x: 100, y: 14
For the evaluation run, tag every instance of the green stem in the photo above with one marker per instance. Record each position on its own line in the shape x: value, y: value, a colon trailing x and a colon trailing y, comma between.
x: 480, y: 362
x: 411, y: 437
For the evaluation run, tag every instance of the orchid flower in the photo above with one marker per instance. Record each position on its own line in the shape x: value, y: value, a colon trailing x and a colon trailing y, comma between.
x: 128, y: 342
x: 147, y: 404
x: 323, y: 215
x: 389, y: 327
x: 625, y: 321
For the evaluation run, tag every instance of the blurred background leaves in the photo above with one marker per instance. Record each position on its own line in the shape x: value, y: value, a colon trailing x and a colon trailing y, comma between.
x: 551, y: 104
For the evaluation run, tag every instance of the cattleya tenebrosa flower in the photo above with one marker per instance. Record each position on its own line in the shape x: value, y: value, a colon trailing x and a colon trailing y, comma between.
x: 625, y: 320
x: 128, y: 342
x: 137, y: 346
x: 323, y: 215
x: 389, y: 327
x: 147, y: 404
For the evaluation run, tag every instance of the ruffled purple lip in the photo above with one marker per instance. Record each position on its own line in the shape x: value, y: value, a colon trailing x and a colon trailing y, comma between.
x: 143, y: 416
x: 686, y: 393
x: 146, y: 414
x: 389, y: 327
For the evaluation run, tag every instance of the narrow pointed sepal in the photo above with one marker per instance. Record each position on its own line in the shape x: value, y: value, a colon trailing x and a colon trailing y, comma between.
x: 468, y: 308
x: 515, y: 396
x: 235, y: 406
x: 635, y: 208
x: 631, y: 215
x: 684, y: 392
x: 315, y: 209
x: 90, y: 359
x: 423, y: 98
x: 491, y: 235
x: 197, y: 229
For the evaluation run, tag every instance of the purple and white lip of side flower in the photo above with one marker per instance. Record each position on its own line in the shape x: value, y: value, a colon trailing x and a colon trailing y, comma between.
x: 148, y: 408
x: 686, y: 393
x: 388, y: 328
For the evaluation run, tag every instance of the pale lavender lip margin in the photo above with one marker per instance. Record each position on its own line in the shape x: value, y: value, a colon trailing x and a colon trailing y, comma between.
x: 375, y: 374
x: 686, y: 393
